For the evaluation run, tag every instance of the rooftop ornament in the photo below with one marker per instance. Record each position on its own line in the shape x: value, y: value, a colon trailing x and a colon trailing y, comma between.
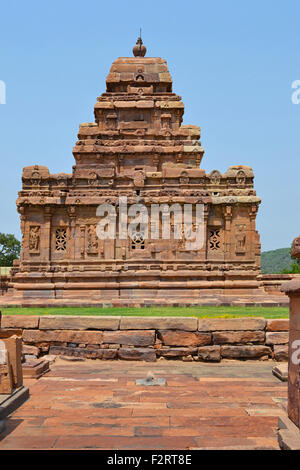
x: 139, y: 49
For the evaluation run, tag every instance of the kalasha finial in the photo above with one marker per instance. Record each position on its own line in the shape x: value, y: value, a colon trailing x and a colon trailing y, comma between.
x: 139, y: 49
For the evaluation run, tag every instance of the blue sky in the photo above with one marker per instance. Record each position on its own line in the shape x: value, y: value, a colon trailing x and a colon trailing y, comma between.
x: 232, y: 62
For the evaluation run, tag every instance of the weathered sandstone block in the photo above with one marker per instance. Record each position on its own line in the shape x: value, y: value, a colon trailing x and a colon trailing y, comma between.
x: 281, y: 352
x: 13, y: 346
x: 176, y: 352
x: 69, y: 322
x: 245, y: 352
x: 231, y: 324
x: 278, y: 325
x: 88, y: 353
x: 188, y: 358
x: 62, y: 336
x: 210, y: 353
x: 20, y: 321
x: 277, y: 338
x: 8, y: 332
x: 32, y: 350
x: 232, y: 337
x: 44, y: 347
x: 158, y: 323
x: 130, y: 337
x: 183, y: 338
x: 137, y: 354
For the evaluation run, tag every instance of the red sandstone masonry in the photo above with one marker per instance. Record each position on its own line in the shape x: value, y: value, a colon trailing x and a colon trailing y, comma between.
x: 175, y: 353
x: 62, y: 336
x: 130, y: 337
x: 281, y: 352
x: 159, y: 323
x: 20, y: 321
x: 278, y: 325
x: 184, y: 338
x: 277, y: 338
x: 231, y: 324
x: 152, y: 338
x: 70, y: 322
x: 209, y: 353
x: 237, y: 337
x: 245, y: 352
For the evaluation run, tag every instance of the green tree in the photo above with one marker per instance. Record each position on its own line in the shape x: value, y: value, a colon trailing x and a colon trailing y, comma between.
x: 294, y: 267
x: 10, y: 249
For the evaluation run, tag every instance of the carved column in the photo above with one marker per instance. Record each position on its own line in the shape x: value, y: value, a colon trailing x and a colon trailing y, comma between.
x: 227, y: 211
x: 21, y: 211
x: 253, y: 240
x: 155, y: 160
x: 72, y: 232
x: 46, y: 238
x: 82, y: 241
x: 120, y: 159
x: 120, y: 244
x: 205, y: 248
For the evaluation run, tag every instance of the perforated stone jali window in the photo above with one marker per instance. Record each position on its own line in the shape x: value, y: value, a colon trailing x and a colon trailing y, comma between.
x: 214, y: 239
x: 138, y: 241
x: 61, y: 239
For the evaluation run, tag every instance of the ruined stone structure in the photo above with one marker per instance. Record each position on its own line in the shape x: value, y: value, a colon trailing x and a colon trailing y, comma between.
x: 139, y: 148
x: 292, y: 289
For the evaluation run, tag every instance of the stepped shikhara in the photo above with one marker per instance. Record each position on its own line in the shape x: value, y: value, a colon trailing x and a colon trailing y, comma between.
x: 137, y: 147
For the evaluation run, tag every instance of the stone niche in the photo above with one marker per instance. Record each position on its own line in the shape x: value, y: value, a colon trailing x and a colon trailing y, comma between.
x: 137, y: 147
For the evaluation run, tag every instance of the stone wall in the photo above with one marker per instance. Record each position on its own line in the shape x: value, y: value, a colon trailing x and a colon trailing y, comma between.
x: 152, y: 338
x: 4, y: 280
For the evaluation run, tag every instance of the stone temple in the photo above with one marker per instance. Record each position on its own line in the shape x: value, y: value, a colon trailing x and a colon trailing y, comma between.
x: 137, y: 147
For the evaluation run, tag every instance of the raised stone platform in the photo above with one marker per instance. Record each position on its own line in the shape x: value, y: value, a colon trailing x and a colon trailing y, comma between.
x: 267, y: 300
x: 268, y: 294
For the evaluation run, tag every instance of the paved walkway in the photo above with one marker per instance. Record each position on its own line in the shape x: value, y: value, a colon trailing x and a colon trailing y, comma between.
x: 97, y: 405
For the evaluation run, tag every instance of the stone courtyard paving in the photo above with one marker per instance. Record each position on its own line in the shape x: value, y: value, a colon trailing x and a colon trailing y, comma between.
x: 98, y: 405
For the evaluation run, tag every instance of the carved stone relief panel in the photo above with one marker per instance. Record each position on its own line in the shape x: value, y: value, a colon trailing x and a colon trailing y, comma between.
x: 34, y: 239
x: 92, y: 240
x: 240, y: 239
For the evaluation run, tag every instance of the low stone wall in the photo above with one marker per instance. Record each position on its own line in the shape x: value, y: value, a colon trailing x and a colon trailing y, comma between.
x: 152, y: 338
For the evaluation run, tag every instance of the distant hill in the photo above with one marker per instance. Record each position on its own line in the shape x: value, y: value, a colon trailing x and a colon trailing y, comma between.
x: 273, y: 262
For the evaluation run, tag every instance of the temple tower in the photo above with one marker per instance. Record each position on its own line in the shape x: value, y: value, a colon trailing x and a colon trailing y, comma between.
x: 137, y: 149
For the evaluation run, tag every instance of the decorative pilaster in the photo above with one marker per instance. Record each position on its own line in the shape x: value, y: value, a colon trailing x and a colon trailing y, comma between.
x: 82, y: 241
x: 205, y: 215
x: 21, y: 211
x: 227, y: 211
x: 72, y: 232
x: 46, y: 235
